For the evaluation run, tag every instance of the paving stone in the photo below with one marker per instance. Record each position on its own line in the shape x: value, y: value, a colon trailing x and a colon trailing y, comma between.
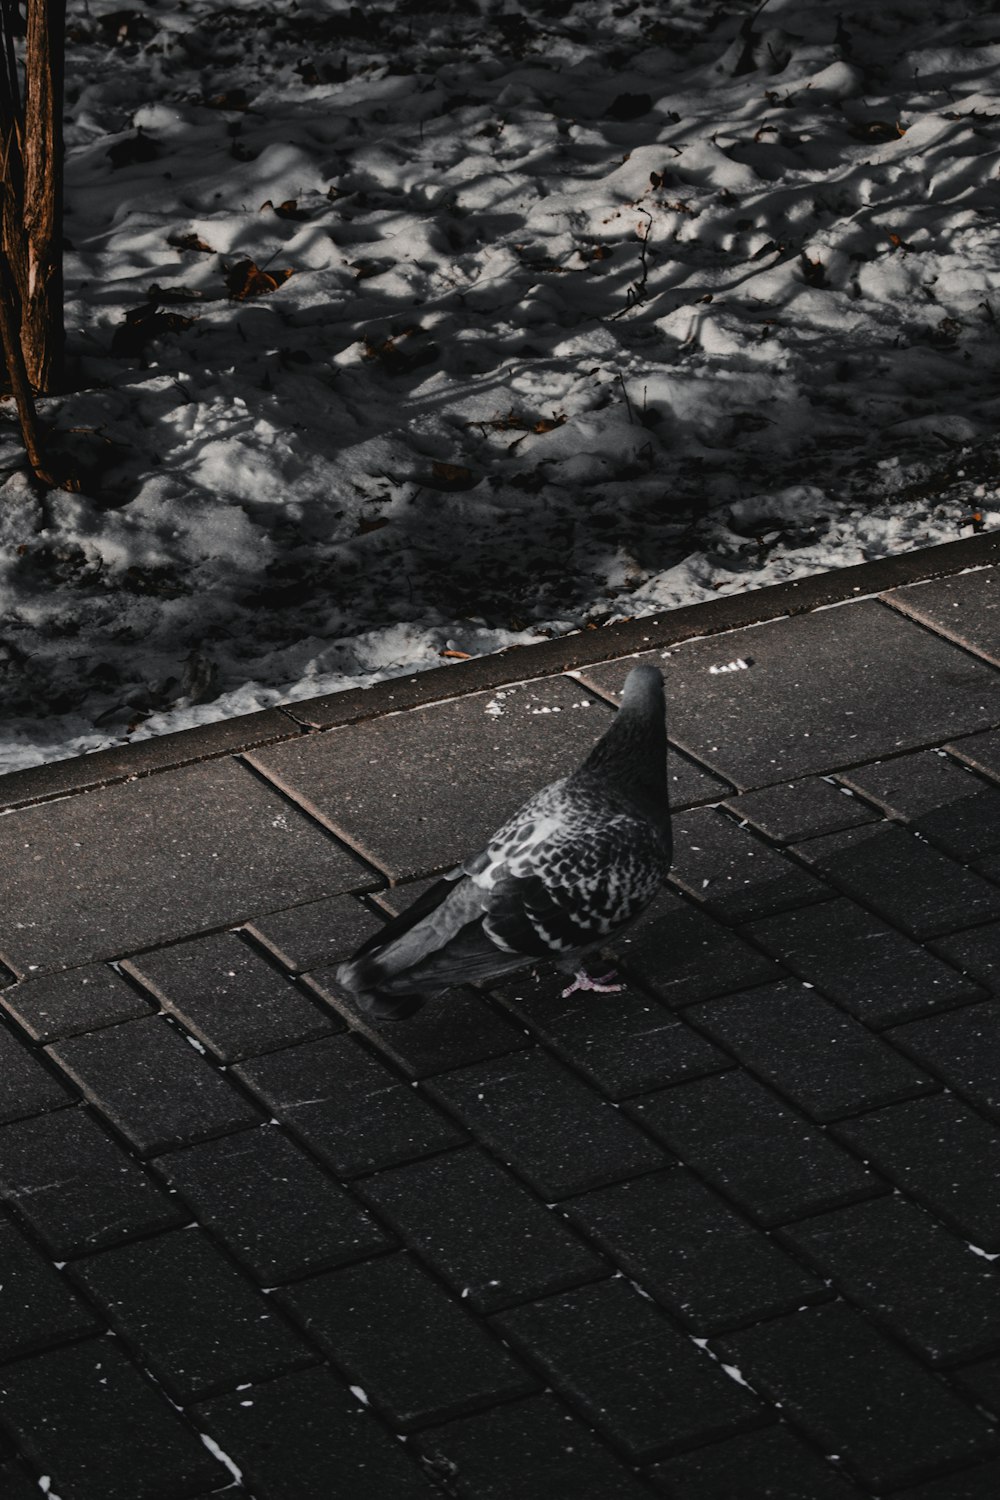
x: 855, y: 958
x: 613, y: 1356
x: 688, y: 783
x: 317, y: 934
x: 75, y: 1186
x: 963, y: 1048
x: 915, y: 1277
x: 417, y: 1355
x: 203, y: 847
x: 733, y: 873
x: 976, y: 953
x: 189, y: 1315
x: 980, y: 1483
x: 939, y: 799
x: 66, y: 1004
x: 979, y: 750
x: 624, y: 1043
x: 37, y: 1306
x: 15, y: 1483
x: 540, y: 1119
x: 392, y: 899
x: 270, y: 1205
x: 753, y: 1147
x: 532, y: 1449
x: 768, y: 1464
x: 304, y: 1437
x: 812, y: 1053
x: 474, y: 1224
x: 943, y: 1154
x: 856, y: 1393
x: 152, y: 1084
x: 685, y: 955
x: 691, y: 1252
x: 981, y: 1381
x: 903, y: 879
x: 517, y: 738
x: 797, y: 710
x: 800, y: 810
x: 348, y: 1107
x: 449, y: 1030
x: 60, y: 778
x: 965, y: 607
x: 70, y: 1408
x: 229, y: 997
x: 29, y: 1086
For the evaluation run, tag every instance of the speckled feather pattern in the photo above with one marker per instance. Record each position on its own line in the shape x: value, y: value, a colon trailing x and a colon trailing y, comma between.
x: 598, y: 861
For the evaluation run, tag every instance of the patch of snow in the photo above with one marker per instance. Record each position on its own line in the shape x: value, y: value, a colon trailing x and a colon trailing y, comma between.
x: 541, y: 362
x: 223, y: 1458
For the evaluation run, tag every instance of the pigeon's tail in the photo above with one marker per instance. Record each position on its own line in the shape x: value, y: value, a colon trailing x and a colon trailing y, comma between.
x: 437, y: 942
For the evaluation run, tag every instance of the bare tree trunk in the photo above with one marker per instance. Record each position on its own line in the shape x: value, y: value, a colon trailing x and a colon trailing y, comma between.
x: 42, y: 334
x: 31, y: 289
x: 19, y: 376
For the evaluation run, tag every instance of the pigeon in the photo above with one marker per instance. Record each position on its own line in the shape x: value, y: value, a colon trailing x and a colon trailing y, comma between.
x: 574, y: 866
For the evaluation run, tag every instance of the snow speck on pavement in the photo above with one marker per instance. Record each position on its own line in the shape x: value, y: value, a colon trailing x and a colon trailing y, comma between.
x: 421, y: 327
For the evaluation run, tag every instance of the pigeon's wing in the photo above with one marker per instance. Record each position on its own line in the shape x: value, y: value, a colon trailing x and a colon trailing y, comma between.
x: 437, y: 941
x: 424, y: 905
x: 591, y: 873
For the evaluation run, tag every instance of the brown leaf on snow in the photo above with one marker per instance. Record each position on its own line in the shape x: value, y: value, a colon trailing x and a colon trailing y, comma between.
x: 456, y: 655
x: 141, y: 326
x: 813, y: 271
x: 449, y: 478
x: 399, y: 358
x: 549, y: 424
x: 451, y: 472
x: 245, y: 279
x: 371, y: 523
x: 229, y: 99
x: 877, y: 130
x: 190, y: 241
x: 287, y: 210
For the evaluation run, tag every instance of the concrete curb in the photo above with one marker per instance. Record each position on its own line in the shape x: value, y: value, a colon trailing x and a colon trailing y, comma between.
x: 522, y: 663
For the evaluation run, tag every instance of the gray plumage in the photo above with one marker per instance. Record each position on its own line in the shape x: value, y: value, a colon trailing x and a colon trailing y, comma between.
x: 575, y: 865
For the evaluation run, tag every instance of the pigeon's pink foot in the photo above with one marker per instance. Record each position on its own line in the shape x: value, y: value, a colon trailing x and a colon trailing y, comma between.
x: 583, y: 981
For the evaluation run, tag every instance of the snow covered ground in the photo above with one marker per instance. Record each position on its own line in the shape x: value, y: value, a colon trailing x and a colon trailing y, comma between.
x: 435, y: 326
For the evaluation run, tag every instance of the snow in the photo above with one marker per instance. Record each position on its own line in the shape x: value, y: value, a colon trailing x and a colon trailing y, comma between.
x: 559, y: 313
x: 223, y: 1458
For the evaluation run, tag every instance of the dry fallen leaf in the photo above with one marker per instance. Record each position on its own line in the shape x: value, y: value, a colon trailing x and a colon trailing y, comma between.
x: 877, y: 130
x: 457, y: 655
x: 189, y: 241
x: 289, y: 209
x: 245, y: 279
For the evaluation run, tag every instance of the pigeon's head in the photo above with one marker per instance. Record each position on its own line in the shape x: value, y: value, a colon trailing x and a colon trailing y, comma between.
x: 643, y: 689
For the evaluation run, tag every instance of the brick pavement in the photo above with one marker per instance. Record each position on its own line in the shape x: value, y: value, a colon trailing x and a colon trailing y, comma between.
x: 730, y: 1234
